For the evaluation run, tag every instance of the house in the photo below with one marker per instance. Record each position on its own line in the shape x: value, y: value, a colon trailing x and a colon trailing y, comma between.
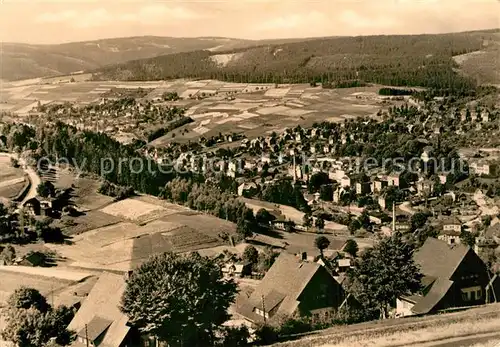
x: 484, y: 244
x: 345, y: 181
x: 402, y: 223
x: 453, y: 276
x: 343, y: 265
x: 247, y: 189
x: 32, y: 206
x: 451, y: 228
x: 427, y: 153
x: 292, y: 288
x: 394, y: 180
x: 483, y: 167
x: 425, y: 186
x: 451, y: 224
x: 235, y: 270
x: 363, y: 188
x: 99, y: 320
x: 281, y: 223
x: 337, y: 194
x: 443, y: 178
x: 378, y: 185
x: 383, y: 202
x: 485, y: 117
x: 32, y: 259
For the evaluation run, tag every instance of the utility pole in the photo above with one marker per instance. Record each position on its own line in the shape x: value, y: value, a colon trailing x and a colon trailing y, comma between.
x: 264, y: 309
x: 86, y: 336
x: 393, y: 217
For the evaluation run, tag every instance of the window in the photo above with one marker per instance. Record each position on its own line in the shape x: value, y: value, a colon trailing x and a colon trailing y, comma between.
x: 261, y: 313
x: 315, y: 317
x: 471, y: 293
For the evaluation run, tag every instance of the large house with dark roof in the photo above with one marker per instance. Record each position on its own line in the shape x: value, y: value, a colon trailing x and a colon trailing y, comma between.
x: 292, y: 288
x: 99, y: 321
x: 454, y: 276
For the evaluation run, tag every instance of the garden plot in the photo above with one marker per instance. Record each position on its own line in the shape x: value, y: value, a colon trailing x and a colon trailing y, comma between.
x: 51, y: 273
x: 248, y: 126
x: 272, y: 110
x: 276, y: 92
x: 189, y: 92
x: 210, y: 114
x: 247, y: 115
x: 229, y: 107
x: 312, y: 96
x: 89, y: 221
x: 132, y: 209
x: 11, y: 182
x: 294, y: 104
x: 229, y: 119
x: 335, y: 119
x: 201, y: 130
x: 208, y: 91
x: 196, y: 84
x: 295, y: 112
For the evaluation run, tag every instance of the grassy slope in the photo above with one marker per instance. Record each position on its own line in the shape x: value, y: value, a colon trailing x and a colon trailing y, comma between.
x: 22, y: 61
x: 404, y: 332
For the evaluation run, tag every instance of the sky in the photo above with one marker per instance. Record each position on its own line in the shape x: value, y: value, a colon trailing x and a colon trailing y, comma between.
x: 58, y: 21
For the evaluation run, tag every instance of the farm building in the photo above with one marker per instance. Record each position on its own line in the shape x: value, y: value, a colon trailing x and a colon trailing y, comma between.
x: 99, y: 321
x: 293, y: 288
x: 453, y: 276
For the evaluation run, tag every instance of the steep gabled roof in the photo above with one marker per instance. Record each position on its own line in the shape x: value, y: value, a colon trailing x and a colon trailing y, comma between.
x: 280, y: 288
x: 438, y: 259
x: 95, y: 328
x: 438, y: 262
x: 104, y: 301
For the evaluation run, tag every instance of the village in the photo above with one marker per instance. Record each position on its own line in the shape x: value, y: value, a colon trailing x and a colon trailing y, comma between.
x: 321, y: 193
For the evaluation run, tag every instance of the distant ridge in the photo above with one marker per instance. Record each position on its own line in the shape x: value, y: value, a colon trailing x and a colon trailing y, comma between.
x: 23, y: 61
x: 404, y: 60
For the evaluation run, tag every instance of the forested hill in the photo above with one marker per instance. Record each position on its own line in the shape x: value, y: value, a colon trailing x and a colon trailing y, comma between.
x: 19, y: 61
x: 412, y: 60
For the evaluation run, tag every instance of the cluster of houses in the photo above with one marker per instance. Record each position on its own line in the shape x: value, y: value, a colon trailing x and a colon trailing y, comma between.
x: 297, y: 285
x: 453, y: 277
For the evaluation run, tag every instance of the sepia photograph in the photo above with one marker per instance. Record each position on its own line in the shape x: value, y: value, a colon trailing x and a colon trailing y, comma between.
x: 231, y: 173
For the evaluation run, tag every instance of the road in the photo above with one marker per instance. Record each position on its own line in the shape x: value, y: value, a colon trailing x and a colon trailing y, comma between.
x: 34, y: 179
x: 486, y: 340
x: 406, y: 207
x: 32, y: 176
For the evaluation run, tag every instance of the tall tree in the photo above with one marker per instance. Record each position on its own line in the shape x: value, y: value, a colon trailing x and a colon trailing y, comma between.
x: 182, y: 299
x: 351, y: 248
x: 384, y: 273
x: 31, y: 322
x: 319, y: 223
x: 321, y: 243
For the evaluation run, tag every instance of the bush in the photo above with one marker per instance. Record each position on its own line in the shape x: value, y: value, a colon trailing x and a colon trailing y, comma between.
x: 266, y: 335
x: 295, y: 326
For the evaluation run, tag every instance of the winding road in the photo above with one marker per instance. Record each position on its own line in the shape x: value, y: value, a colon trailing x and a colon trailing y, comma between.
x: 32, y: 176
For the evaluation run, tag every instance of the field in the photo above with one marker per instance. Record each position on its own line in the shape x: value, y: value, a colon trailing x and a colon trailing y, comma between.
x: 11, y: 280
x: 12, y: 180
x: 133, y: 210
x: 471, y: 326
x: 125, y: 233
x: 215, y: 106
